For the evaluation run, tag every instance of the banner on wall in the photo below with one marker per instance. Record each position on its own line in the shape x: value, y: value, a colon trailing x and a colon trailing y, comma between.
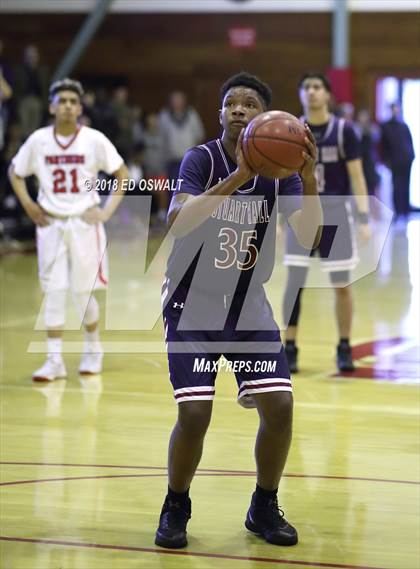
x: 341, y: 80
x: 242, y: 37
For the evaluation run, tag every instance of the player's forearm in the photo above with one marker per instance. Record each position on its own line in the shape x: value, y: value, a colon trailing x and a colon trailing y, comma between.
x: 116, y: 197
x: 358, y: 184
x: 187, y: 216
x: 310, y: 219
x: 19, y: 187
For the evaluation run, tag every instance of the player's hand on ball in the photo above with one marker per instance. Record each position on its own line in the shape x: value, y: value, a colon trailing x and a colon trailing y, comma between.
x: 94, y: 215
x: 308, y: 169
x: 243, y: 169
x: 365, y: 232
x: 37, y: 214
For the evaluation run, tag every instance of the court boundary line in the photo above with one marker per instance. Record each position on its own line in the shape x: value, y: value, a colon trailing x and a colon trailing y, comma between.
x: 159, y: 551
x: 204, y: 471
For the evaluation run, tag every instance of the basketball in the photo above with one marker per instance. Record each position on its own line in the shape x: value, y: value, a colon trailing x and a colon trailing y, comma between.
x: 273, y: 142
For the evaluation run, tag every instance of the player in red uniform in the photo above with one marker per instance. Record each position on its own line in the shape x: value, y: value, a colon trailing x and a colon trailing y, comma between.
x: 71, y: 243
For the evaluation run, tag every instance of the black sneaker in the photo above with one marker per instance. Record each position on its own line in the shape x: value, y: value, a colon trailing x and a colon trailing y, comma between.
x: 172, y: 530
x: 291, y: 355
x: 344, y: 358
x: 269, y: 522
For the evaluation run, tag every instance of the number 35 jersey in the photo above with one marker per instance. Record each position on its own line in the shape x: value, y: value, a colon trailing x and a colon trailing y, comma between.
x: 66, y: 168
x: 235, y: 246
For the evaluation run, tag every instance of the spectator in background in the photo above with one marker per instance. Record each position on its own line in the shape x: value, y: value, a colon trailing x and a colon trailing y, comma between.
x: 133, y: 204
x: 91, y: 111
x: 105, y: 116
x: 10, y: 134
x: 346, y: 111
x: 14, y: 140
x: 9, y: 205
x: 369, y: 134
x: 135, y: 163
x: 154, y: 159
x: 31, y: 88
x: 137, y: 124
x: 182, y: 129
x: 398, y: 155
x: 123, y: 118
x: 4, y: 65
x: 5, y: 94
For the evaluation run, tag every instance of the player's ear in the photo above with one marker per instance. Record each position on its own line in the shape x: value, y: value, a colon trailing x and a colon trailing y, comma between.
x: 51, y: 108
x: 329, y: 99
x: 220, y: 116
x: 301, y: 93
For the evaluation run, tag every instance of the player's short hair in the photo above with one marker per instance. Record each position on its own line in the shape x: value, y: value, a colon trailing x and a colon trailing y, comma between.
x: 244, y: 79
x: 316, y: 75
x: 65, y: 84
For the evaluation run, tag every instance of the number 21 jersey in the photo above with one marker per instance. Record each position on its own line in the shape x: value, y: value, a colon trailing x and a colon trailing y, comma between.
x: 66, y: 168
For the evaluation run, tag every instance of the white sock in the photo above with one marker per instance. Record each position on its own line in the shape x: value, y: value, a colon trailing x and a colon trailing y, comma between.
x: 92, y: 343
x: 55, y: 348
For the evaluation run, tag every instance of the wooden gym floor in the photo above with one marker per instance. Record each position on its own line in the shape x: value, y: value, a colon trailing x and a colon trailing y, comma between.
x: 83, y: 459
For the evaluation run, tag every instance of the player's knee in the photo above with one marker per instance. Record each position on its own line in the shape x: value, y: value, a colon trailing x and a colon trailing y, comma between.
x: 92, y: 312
x: 87, y: 306
x: 55, y: 308
x: 194, y: 417
x: 277, y: 414
x: 343, y: 292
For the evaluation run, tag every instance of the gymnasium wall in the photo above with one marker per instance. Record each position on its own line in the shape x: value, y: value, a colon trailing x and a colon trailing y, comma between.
x: 155, y: 53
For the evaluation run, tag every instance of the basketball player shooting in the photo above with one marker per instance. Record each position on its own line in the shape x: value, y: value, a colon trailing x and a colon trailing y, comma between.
x: 220, y: 195
x: 71, y: 243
